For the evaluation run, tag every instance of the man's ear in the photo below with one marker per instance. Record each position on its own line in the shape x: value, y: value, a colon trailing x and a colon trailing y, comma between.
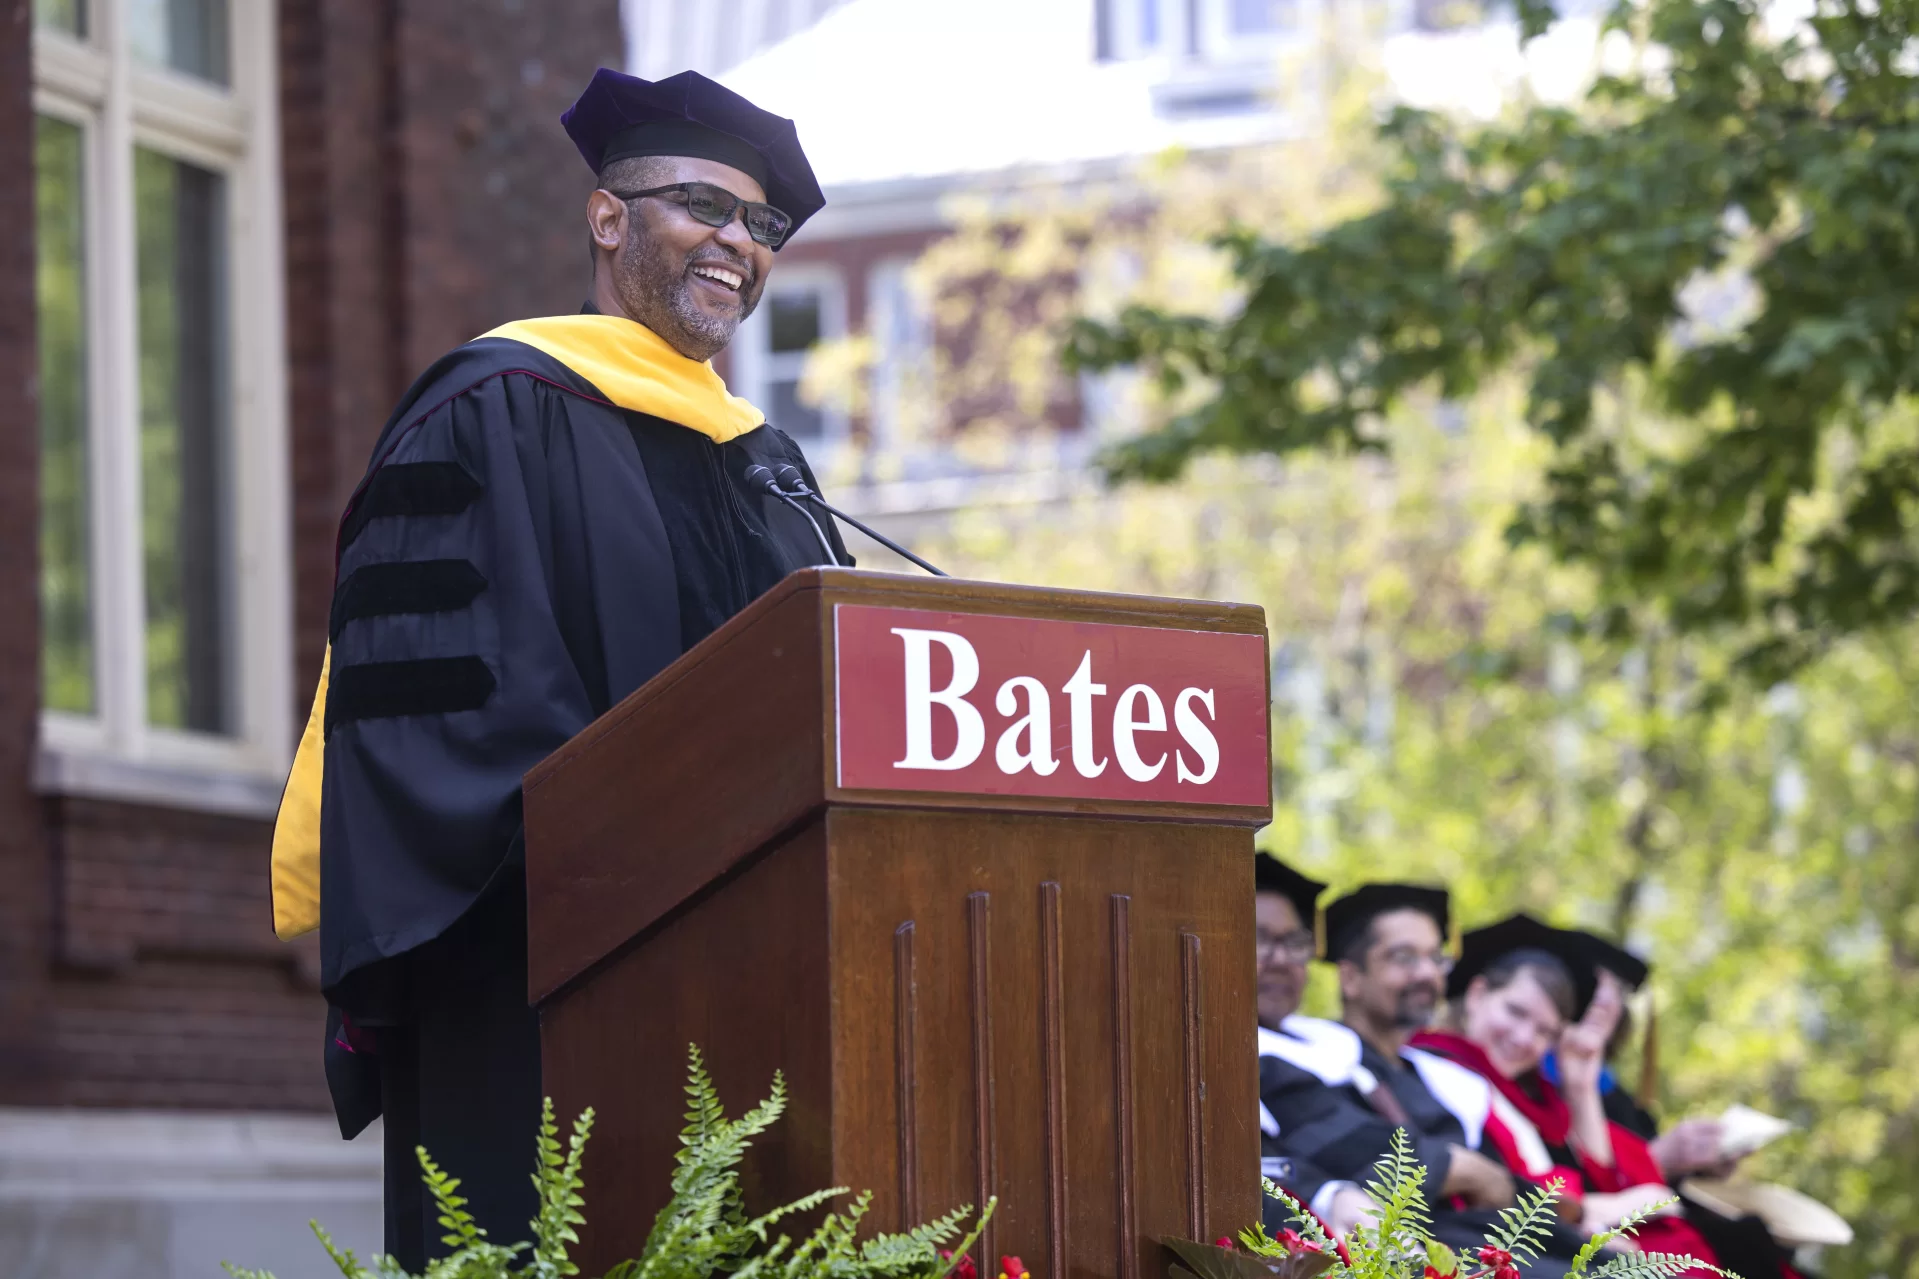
x: 1349, y: 975
x: 606, y: 220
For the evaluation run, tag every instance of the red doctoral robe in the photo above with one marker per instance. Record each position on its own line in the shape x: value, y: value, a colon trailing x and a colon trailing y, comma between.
x: 1533, y: 1133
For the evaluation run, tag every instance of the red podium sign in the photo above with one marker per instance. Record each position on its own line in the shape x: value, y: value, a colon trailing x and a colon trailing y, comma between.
x: 987, y: 705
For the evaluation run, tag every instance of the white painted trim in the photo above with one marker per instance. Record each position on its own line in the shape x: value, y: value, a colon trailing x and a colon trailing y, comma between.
x: 753, y: 360
x: 96, y: 775
x: 233, y: 131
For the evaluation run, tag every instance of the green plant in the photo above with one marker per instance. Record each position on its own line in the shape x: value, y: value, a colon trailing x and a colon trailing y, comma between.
x: 703, y: 1230
x: 1398, y: 1243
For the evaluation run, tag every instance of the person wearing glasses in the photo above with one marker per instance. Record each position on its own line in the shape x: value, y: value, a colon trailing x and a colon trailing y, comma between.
x: 1285, y: 941
x: 554, y: 512
x: 1338, y: 1093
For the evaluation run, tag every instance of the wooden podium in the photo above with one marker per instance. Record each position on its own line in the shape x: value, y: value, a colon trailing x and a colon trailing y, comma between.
x: 977, y: 983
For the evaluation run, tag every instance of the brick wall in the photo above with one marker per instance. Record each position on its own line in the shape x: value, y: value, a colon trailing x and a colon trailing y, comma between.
x: 430, y: 195
x: 24, y: 890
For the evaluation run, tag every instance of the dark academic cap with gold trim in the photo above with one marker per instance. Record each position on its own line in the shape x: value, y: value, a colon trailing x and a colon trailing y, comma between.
x: 1481, y: 948
x: 1615, y: 959
x: 620, y: 117
x: 1347, y: 917
x: 1271, y: 875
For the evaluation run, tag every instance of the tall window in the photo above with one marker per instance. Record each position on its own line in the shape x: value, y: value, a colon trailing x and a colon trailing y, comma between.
x: 163, y: 551
x: 803, y: 306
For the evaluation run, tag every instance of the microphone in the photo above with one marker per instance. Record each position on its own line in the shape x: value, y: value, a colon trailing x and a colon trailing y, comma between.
x: 791, y: 482
x: 761, y: 478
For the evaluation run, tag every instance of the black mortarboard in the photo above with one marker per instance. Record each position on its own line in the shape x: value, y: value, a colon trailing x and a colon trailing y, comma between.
x: 1482, y: 947
x: 1349, y: 916
x: 1615, y: 959
x: 620, y: 116
x: 1271, y: 875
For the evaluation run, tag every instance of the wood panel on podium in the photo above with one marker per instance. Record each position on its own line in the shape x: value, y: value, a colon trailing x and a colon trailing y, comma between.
x: 970, y: 864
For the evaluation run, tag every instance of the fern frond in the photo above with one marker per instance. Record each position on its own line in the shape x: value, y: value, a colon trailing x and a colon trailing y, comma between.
x: 758, y: 1225
x: 235, y: 1272
x: 1627, y: 1224
x: 703, y: 1099
x: 461, y: 1230
x: 343, y: 1258
x: 1397, y: 1192
x: 558, y: 1184
x: 1654, y: 1265
x: 1525, y: 1227
x: 967, y: 1241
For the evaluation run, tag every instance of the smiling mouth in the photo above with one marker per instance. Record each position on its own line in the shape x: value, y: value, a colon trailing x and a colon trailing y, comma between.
x: 727, y: 278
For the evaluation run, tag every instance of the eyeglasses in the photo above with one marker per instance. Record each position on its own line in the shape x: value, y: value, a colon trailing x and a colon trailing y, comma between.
x: 1295, y: 948
x: 715, y: 206
x: 1407, y: 959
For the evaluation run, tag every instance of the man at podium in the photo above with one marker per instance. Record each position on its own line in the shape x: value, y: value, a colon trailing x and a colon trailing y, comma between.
x: 554, y: 512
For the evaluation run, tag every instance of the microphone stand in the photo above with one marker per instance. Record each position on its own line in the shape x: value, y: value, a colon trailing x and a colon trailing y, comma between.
x: 791, y: 483
x: 764, y: 478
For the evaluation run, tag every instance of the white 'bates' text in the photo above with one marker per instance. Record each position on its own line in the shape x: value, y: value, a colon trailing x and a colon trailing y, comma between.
x: 1027, y: 742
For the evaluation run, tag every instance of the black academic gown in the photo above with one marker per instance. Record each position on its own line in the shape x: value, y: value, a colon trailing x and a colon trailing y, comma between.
x: 1282, y: 1162
x: 521, y: 555
x: 1340, y: 1135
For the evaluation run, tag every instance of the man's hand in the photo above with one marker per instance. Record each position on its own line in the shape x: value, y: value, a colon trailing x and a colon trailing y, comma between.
x: 1481, y: 1182
x: 1692, y: 1146
x: 1351, y: 1207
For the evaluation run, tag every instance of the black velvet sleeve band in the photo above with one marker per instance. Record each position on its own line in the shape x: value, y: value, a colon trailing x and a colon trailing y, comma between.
x: 422, y: 686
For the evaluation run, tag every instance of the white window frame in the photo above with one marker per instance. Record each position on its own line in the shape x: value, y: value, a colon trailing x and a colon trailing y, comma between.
x: 1220, y: 43
x: 120, y: 103
x: 757, y: 367
x: 902, y: 375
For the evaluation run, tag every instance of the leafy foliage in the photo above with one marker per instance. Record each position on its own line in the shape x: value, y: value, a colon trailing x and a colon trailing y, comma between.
x: 1437, y: 718
x: 1397, y: 1243
x: 1705, y: 274
x: 703, y: 1230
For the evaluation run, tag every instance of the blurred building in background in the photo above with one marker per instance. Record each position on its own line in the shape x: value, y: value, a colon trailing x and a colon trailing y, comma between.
x: 233, y: 231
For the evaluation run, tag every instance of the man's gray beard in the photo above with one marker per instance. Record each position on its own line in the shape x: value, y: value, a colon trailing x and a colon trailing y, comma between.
x: 657, y: 293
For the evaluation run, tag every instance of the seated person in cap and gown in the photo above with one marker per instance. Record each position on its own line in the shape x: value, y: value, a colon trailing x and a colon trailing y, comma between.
x: 1286, y: 903
x: 1338, y: 1093
x: 1692, y: 1147
x: 1520, y: 988
x: 554, y: 513
x: 1689, y: 1151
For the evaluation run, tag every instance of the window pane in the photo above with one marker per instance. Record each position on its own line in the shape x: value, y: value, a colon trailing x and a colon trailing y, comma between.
x: 186, y: 35
x: 183, y: 433
x: 66, y: 613
x: 796, y: 321
x: 62, y: 15
x: 788, y: 414
x: 1149, y: 24
x: 1261, y: 17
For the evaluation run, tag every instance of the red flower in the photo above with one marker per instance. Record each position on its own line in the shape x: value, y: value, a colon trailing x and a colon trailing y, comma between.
x: 1292, y: 1241
x: 1224, y: 1242
x: 965, y: 1269
x: 1013, y: 1268
x: 1432, y: 1272
x: 1499, y: 1261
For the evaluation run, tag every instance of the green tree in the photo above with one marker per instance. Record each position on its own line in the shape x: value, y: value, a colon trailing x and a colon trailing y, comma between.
x: 1438, y: 716
x: 1775, y: 486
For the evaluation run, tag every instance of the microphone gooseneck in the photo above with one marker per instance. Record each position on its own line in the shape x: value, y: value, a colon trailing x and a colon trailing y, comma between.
x: 790, y: 483
x: 759, y: 477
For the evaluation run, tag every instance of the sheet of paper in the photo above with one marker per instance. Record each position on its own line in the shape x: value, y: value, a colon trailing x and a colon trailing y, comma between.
x: 1743, y: 1130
